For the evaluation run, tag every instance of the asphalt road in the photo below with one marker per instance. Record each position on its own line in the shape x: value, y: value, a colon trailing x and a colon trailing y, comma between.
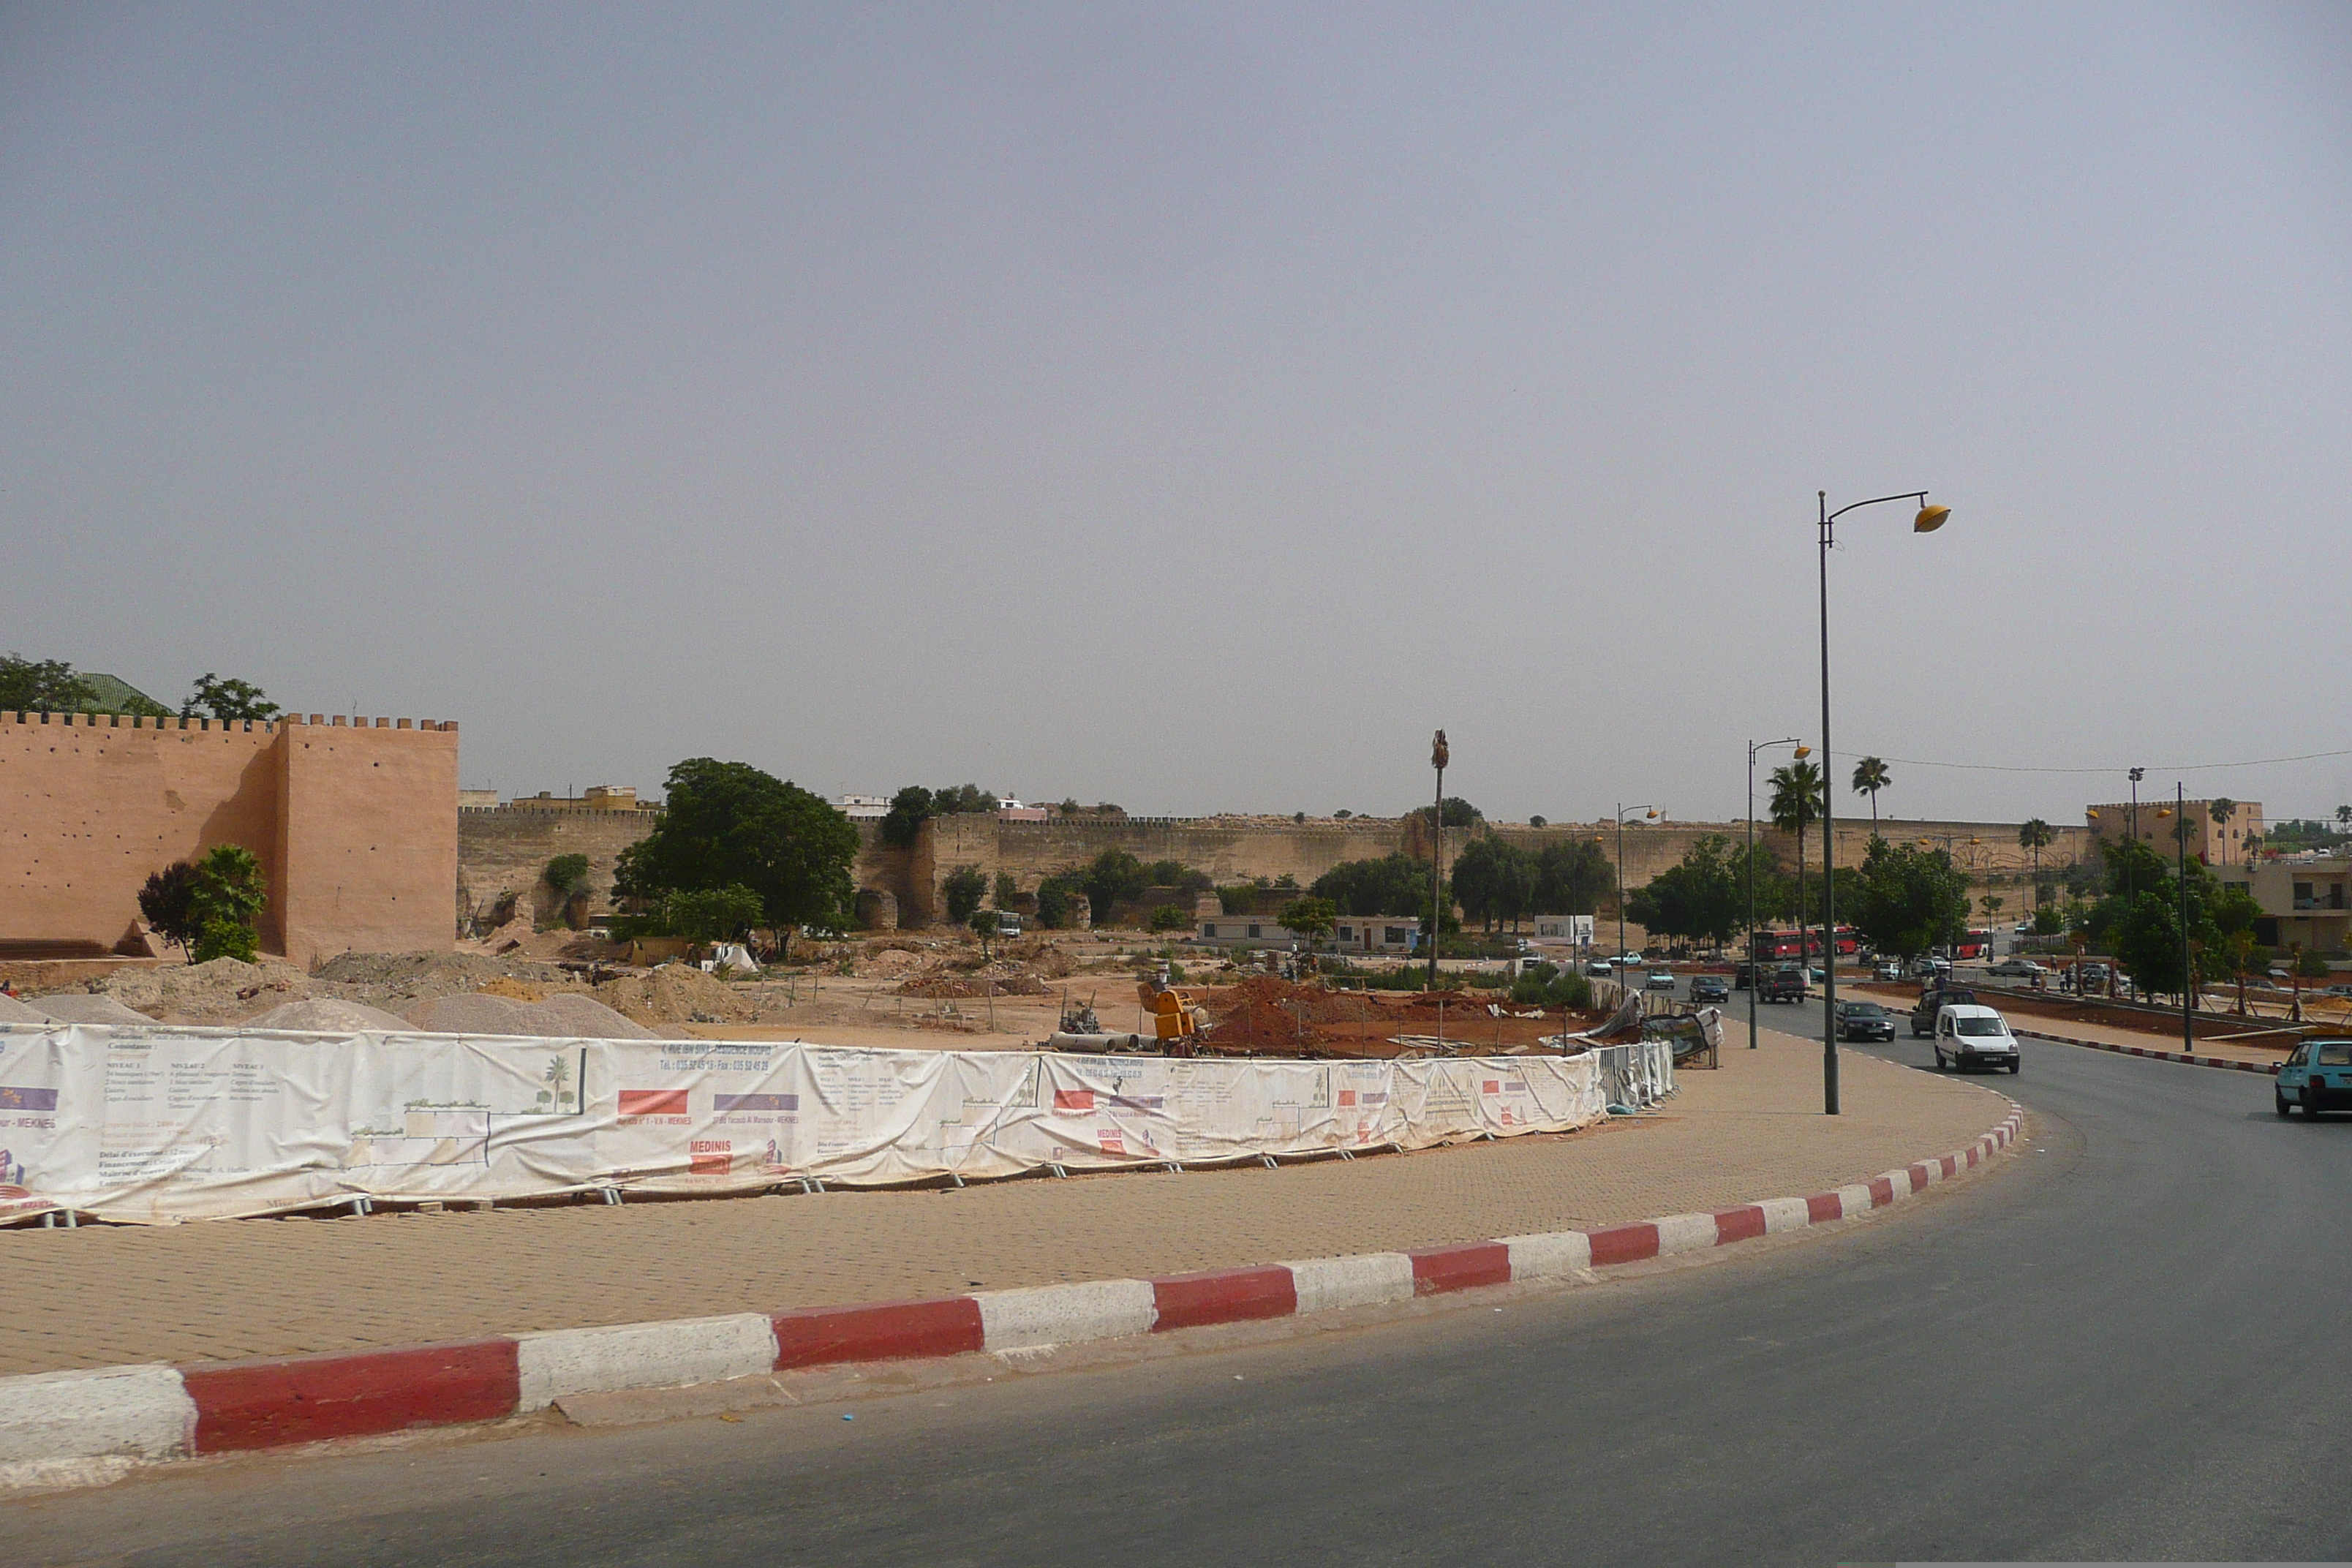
x: 2128, y: 1341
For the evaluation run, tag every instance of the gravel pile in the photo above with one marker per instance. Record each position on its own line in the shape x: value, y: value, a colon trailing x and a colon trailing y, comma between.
x: 563, y: 1016
x: 84, y: 1008
x: 327, y: 1016
x: 14, y: 1012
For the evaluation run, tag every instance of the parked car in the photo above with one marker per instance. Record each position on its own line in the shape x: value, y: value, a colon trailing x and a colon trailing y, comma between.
x: 2280, y: 972
x: 2017, y: 969
x: 1743, y: 975
x: 1710, y: 988
x: 1890, y: 969
x: 1597, y: 969
x: 1786, y: 983
x: 2317, y: 1077
x: 1659, y: 980
x: 1933, y: 1000
x: 1969, y: 1036
x: 1865, y: 1021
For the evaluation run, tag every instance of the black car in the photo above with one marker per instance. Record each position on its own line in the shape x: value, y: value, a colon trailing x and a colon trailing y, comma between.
x: 1710, y: 988
x: 1865, y: 1021
x: 1933, y: 1000
x: 1786, y: 983
x: 1744, y: 975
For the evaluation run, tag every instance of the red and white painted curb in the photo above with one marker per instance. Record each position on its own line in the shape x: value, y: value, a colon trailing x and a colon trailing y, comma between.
x: 83, y: 1424
x: 2229, y: 1063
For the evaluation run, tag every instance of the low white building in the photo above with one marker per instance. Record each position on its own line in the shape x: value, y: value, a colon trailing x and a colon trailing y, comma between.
x: 864, y: 807
x: 1375, y: 934
x: 1246, y: 931
x: 1576, y: 929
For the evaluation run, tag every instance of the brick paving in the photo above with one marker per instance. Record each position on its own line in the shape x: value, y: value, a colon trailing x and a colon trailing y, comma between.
x: 221, y: 1290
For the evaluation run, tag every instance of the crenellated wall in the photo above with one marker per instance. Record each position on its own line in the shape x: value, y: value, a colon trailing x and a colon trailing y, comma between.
x: 354, y: 825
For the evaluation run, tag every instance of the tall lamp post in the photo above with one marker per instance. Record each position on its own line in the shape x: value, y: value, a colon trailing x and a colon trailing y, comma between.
x: 1928, y: 519
x: 1756, y: 970
x: 1622, y: 811
x: 1438, y: 757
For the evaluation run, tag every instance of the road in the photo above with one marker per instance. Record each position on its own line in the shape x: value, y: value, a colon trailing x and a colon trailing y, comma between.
x: 2125, y: 1343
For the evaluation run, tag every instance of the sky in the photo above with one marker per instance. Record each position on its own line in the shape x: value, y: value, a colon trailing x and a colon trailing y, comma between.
x: 1193, y: 407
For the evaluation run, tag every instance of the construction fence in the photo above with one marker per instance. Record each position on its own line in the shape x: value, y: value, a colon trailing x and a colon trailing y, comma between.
x: 157, y: 1124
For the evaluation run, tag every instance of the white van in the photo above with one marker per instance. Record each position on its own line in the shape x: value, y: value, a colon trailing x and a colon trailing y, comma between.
x: 1971, y: 1035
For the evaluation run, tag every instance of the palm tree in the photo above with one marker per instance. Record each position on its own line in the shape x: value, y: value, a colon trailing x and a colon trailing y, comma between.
x: 2343, y: 816
x: 2220, y: 809
x: 1798, y: 797
x: 2036, y: 835
x: 1870, y: 776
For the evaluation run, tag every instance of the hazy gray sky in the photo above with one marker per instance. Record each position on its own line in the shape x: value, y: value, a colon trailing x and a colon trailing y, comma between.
x: 1194, y: 407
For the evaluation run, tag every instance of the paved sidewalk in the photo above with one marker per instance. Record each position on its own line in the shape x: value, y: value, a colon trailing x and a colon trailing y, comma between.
x: 229, y: 1290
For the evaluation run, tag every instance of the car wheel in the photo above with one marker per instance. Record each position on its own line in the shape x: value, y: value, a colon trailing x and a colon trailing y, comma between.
x: 2278, y: 1098
x: 2017, y: 1066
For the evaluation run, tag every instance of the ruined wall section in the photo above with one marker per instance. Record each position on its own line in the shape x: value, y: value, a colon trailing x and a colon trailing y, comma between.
x: 505, y: 850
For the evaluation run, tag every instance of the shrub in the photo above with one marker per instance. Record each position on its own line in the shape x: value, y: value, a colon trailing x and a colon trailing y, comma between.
x: 2311, y: 967
x: 1167, y: 918
x: 229, y: 895
x: 963, y: 888
x: 567, y: 874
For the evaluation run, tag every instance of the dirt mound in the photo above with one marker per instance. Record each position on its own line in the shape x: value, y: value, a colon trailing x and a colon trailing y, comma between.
x: 86, y: 1007
x: 476, y: 1015
x: 994, y: 980
x: 219, y: 989
x: 401, y: 976
x: 1266, y: 1015
x: 326, y: 1015
x: 584, y: 1017
x: 14, y: 1012
x: 676, y: 993
x: 506, y: 986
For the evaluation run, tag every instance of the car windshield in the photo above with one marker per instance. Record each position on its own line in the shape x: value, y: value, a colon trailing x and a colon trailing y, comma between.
x: 1864, y: 1010
x: 2335, y: 1054
x: 1978, y: 1027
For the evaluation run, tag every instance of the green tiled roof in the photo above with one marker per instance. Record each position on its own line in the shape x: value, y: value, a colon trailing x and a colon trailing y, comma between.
x: 113, y: 695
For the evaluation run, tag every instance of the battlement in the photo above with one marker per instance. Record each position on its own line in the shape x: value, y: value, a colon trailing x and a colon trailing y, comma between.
x: 247, y: 726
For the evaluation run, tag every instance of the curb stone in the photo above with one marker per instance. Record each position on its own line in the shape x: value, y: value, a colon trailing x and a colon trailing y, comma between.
x: 100, y: 1424
x: 2228, y: 1064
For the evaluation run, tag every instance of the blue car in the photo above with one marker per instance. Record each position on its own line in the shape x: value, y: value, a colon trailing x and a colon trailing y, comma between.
x: 2317, y: 1077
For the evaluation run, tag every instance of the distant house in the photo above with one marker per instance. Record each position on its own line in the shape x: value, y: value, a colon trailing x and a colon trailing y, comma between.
x: 864, y: 807
x: 1246, y: 931
x: 2305, y: 900
x: 1375, y: 934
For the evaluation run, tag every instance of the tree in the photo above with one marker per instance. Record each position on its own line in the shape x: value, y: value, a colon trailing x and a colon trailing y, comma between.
x: 1493, y: 880
x: 1005, y: 891
x: 1536, y: 822
x: 908, y: 810
x: 1570, y: 878
x: 567, y: 875
x: 2343, y: 816
x: 169, y: 903
x: 1393, y: 884
x: 1870, y: 776
x: 2036, y: 835
x: 2311, y: 967
x: 963, y: 887
x: 962, y: 799
x: 729, y: 824
x: 2222, y: 808
x: 1311, y: 918
x: 984, y: 923
x: 1054, y: 901
x: 1797, y: 798
x: 2048, y: 920
x: 1908, y: 898
x: 1456, y: 813
x: 227, y: 701
x: 230, y: 894
x: 42, y: 686
x: 1112, y: 877
x: 711, y: 914
x: 1701, y: 898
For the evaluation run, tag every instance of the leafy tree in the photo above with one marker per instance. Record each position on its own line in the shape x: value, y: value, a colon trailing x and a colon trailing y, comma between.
x: 984, y: 923
x: 1393, y: 885
x: 1701, y: 898
x: 963, y: 887
x: 1456, y: 813
x: 1570, y: 878
x: 230, y: 894
x: 1112, y: 877
x: 2344, y: 815
x: 169, y: 903
x: 1311, y: 918
x: 214, y: 697
x: 1054, y: 901
x: 1005, y: 891
x: 1493, y: 880
x: 962, y: 799
x: 711, y: 914
x: 1166, y: 918
x: 1991, y: 903
x: 1177, y: 875
x: 1909, y: 899
x: 1537, y: 822
x: 567, y: 874
x: 1342, y: 814
x: 2312, y: 966
x: 2048, y: 920
x: 42, y: 686
x: 1870, y: 776
x: 729, y: 825
x: 908, y: 809
x: 1070, y: 806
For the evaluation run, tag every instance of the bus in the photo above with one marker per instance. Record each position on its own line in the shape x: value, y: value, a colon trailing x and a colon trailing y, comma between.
x: 1780, y: 945
x: 1975, y: 947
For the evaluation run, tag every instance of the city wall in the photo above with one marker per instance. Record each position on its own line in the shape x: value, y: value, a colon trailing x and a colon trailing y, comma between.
x: 354, y: 825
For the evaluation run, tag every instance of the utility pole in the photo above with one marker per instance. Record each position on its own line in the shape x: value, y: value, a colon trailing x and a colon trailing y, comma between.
x: 1438, y: 757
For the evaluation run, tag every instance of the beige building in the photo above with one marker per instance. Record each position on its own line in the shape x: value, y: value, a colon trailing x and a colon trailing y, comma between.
x: 2307, y: 901
x: 2222, y: 843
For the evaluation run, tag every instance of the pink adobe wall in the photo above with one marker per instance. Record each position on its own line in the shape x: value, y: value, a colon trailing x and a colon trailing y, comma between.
x: 90, y: 805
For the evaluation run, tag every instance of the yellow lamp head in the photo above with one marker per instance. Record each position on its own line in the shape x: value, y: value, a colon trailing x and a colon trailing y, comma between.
x: 1930, y: 519
x: 1803, y: 751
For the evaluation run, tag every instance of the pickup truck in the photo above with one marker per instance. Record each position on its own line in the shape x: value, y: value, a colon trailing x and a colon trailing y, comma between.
x: 1786, y: 983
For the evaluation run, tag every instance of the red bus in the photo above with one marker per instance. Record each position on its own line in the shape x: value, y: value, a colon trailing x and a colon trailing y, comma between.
x: 1781, y: 945
x: 1974, y: 946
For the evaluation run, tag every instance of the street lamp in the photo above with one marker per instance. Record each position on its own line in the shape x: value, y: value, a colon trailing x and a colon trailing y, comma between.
x: 1622, y: 811
x: 1927, y: 519
x: 1756, y: 970
x: 1439, y: 755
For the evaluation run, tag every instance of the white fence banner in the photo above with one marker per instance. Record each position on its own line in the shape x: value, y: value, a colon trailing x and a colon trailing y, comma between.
x: 157, y: 1124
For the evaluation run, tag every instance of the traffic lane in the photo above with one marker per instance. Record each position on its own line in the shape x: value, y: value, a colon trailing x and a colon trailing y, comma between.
x: 2099, y: 1348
